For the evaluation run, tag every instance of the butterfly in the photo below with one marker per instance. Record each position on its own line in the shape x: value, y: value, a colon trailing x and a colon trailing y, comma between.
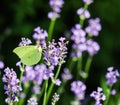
x: 29, y: 55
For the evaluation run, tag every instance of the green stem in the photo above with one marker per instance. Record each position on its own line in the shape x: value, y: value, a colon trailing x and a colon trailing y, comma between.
x: 108, y: 96
x: 87, y: 66
x: 45, y: 94
x: 52, y: 84
x: 79, y: 66
x: 50, y: 31
x: 10, y: 103
x: 21, y: 75
x: 25, y: 90
x: 82, y: 18
x: 42, y: 91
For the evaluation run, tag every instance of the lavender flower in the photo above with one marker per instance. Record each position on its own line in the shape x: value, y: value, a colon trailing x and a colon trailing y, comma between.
x: 40, y: 35
x: 83, y: 13
x: 79, y: 39
x: 25, y: 42
x: 56, y: 5
x: 55, y: 98
x: 32, y: 101
x: 78, y: 88
x: 1, y: 64
x: 55, y: 53
x: 94, y: 27
x: 78, y: 35
x: 57, y: 82
x: 88, y: 2
x: 36, y: 74
x: 113, y: 92
x: 11, y: 87
x: 92, y: 47
x: 98, y: 96
x: 66, y: 75
x: 111, y: 76
x: 53, y: 15
x: 36, y: 89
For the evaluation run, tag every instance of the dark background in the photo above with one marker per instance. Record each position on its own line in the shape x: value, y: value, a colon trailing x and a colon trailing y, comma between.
x: 18, y: 18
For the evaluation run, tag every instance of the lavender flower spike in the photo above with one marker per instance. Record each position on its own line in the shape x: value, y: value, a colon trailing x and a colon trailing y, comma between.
x: 92, y: 47
x: 94, y: 27
x: 40, y: 36
x: 11, y: 87
x: 25, y: 42
x: 1, y: 64
x: 32, y: 101
x: 55, y: 53
x: 55, y: 98
x: 78, y: 88
x: 88, y: 2
x: 111, y: 76
x: 83, y: 13
x: 98, y: 96
x: 56, y: 5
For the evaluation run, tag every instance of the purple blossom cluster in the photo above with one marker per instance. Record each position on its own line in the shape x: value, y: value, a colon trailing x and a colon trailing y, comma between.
x: 92, y: 47
x: 36, y: 74
x: 84, y: 14
x: 78, y: 88
x: 40, y: 36
x: 98, y: 96
x: 66, y: 75
x: 78, y: 36
x: 11, y: 88
x: 1, y: 64
x: 94, y: 27
x: 111, y: 76
x: 55, y: 53
x: 56, y: 6
x: 88, y: 2
x: 55, y: 98
x: 32, y: 101
x: 81, y: 43
x: 25, y: 42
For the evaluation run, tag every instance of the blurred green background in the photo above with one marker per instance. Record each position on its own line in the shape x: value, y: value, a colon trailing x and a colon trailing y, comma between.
x: 18, y: 18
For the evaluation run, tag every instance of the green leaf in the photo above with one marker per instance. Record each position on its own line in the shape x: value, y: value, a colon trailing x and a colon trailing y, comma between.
x: 29, y: 55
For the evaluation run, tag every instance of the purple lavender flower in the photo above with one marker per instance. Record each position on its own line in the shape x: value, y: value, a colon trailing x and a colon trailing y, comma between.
x: 36, y: 74
x: 66, y: 75
x: 36, y: 89
x: 94, y: 27
x: 79, y: 39
x: 56, y: 5
x: 78, y: 35
x: 83, y: 13
x: 98, y: 96
x: 111, y: 76
x: 53, y: 15
x: 58, y: 82
x: 78, y: 88
x: 25, y: 42
x: 11, y: 88
x: 88, y: 2
x: 92, y: 47
x: 113, y: 92
x: 40, y: 35
x: 55, y: 98
x: 1, y: 64
x: 55, y: 53
x: 32, y: 101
